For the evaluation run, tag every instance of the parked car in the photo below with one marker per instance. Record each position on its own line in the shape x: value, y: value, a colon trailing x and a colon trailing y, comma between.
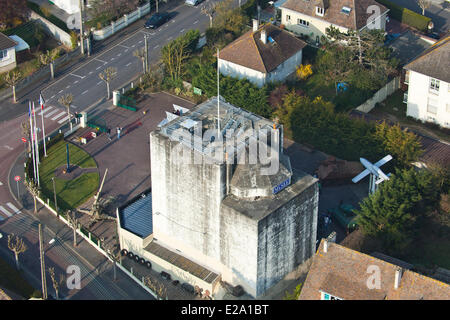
x: 156, y: 20
x: 165, y: 275
x: 193, y: 2
x: 187, y: 287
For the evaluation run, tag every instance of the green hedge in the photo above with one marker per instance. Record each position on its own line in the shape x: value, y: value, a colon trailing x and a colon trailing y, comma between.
x: 57, y: 22
x: 406, y: 16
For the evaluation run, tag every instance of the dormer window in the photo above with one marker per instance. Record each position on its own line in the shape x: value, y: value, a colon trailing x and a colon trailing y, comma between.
x: 320, y: 11
x: 346, y: 10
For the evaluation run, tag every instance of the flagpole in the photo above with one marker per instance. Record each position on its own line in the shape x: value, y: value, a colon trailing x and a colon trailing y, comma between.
x: 43, y: 128
x: 32, y: 140
x: 37, y: 146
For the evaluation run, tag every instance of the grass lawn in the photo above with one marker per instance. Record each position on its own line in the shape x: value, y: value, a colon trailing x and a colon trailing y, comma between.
x: 12, y: 279
x: 70, y: 193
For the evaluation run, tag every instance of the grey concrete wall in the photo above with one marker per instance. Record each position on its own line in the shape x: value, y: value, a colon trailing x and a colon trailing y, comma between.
x: 380, y: 95
x: 287, y: 238
x: 186, y: 198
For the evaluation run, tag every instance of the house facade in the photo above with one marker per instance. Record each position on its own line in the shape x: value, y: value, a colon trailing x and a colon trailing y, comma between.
x: 428, y: 80
x: 310, y: 18
x: 7, y: 53
x: 271, y: 54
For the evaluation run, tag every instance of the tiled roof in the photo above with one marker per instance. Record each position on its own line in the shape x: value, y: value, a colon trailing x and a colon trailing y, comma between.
x: 344, y: 273
x: 434, y: 151
x: 6, y: 42
x: 249, y: 51
x: 356, y: 19
x: 435, y: 61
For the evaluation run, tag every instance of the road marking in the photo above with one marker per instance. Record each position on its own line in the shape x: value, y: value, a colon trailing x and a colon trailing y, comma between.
x: 112, y: 59
x: 99, y: 82
x: 8, y: 147
x: 63, y: 119
x: 5, y: 211
x: 182, y: 30
x: 85, y: 92
x: 73, y: 106
x: 127, y: 64
x: 173, y: 21
x: 58, y: 115
x: 1, y: 183
x: 68, y: 86
x: 169, y: 38
x: 60, y: 91
x: 140, y: 41
x: 49, y: 114
x: 196, y: 21
x: 104, y: 62
x: 75, y: 75
x: 75, y: 82
x: 119, y: 54
x: 133, y: 45
x: 98, y: 67
x: 45, y: 110
x: 123, y: 46
x: 156, y: 46
x: 13, y: 207
x: 52, y: 96
x: 90, y: 72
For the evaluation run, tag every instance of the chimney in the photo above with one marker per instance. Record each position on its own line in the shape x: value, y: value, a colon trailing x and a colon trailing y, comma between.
x: 264, y: 36
x: 398, y: 278
x: 325, y: 245
x: 255, y: 25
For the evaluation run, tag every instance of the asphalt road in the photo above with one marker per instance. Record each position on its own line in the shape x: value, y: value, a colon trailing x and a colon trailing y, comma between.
x: 439, y: 12
x: 84, y: 83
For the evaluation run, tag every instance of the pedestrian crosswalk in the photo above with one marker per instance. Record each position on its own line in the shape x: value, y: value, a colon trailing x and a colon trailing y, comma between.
x: 54, y: 114
x: 9, y: 211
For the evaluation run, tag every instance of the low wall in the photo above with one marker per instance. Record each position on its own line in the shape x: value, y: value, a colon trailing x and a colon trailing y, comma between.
x: 57, y: 32
x: 380, y: 95
x: 121, y: 23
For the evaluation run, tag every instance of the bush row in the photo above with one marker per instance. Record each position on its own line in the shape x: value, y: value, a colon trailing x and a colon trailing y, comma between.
x: 406, y: 16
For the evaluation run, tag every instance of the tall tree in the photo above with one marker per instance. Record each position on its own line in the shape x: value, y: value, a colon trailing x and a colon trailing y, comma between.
x: 108, y: 75
x: 73, y: 221
x: 424, y: 4
x: 49, y: 58
x: 140, y: 53
x: 16, y: 245
x: 209, y: 10
x: 55, y: 282
x: 13, y: 12
x: 66, y: 100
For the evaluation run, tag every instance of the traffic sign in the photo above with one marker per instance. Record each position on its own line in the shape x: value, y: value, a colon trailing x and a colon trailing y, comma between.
x: 17, y: 178
x: 24, y: 140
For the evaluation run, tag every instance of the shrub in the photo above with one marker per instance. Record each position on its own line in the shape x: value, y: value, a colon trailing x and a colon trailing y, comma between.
x: 304, y: 71
x: 74, y: 39
x: 406, y: 16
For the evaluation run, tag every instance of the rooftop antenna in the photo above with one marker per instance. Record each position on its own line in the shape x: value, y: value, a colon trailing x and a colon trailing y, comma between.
x: 218, y: 100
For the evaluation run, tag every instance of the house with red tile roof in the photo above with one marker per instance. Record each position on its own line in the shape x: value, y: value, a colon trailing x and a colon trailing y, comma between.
x: 340, y: 273
x: 310, y: 18
x: 264, y: 54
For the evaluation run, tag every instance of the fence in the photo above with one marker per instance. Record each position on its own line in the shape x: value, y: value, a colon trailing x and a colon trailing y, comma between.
x: 121, y: 23
x: 380, y: 95
x: 57, y: 32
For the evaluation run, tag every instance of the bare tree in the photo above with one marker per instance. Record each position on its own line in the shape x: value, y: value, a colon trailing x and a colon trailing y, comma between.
x: 73, y: 221
x: 140, y: 53
x: 424, y: 4
x: 16, y: 245
x: 25, y: 126
x: 66, y: 100
x: 34, y: 190
x: 55, y: 282
x: 209, y: 10
x: 12, y: 78
x: 49, y: 59
x: 157, y: 287
x: 107, y: 76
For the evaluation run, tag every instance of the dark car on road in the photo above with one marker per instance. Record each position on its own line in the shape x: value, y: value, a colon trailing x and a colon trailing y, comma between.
x: 156, y: 20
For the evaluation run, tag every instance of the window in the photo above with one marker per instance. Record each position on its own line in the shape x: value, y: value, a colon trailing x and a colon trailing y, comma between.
x: 3, y: 54
x: 288, y: 17
x: 303, y: 22
x: 327, y: 296
x: 320, y: 11
x: 346, y: 10
x: 405, y: 97
x: 434, y: 84
x: 432, y: 105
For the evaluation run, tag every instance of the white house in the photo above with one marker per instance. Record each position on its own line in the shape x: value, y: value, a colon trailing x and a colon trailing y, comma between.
x: 311, y: 17
x: 428, y: 79
x: 7, y: 53
x: 264, y: 54
x: 69, y: 6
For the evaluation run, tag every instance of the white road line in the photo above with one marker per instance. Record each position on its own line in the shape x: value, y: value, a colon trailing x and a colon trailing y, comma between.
x: 5, y: 211
x: 1, y: 183
x: 99, y: 82
x: 140, y: 41
x: 50, y: 113
x: 75, y: 82
x: 157, y: 46
x: 43, y: 111
x: 90, y: 72
x: 75, y: 75
x: 123, y: 46
x: 133, y: 45
x: 58, y: 115
x: 100, y: 60
x: 98, y: 67
x: 196, y: 21
x: 52, y: 97
x: 63, y: 119
x: 119, y: 54
x: 169, y: 38
x: 73, y: 106
x: 173, y: 21
x: 84, y: 92
x: 60, y: 91
x: 127, y: 64
x: 182, y: 30
x: 112, y: 59
x: 68, y: 86
x: 13, y: 207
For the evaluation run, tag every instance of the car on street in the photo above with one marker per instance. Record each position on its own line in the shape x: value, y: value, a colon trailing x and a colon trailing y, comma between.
x: 156, y: 20
x: 193, y: 2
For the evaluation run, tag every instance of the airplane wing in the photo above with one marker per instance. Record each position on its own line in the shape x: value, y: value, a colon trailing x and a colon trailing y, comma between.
x: 360, y: 176
x: 383, y: 161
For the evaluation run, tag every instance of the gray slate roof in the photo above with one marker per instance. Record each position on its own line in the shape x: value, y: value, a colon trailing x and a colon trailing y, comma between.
x: 408, y: 46
x: 6, y: 42
x: 435, y: 61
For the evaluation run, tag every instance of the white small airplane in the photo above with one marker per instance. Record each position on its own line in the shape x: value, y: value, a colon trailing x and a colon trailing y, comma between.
x: 373, y: 168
